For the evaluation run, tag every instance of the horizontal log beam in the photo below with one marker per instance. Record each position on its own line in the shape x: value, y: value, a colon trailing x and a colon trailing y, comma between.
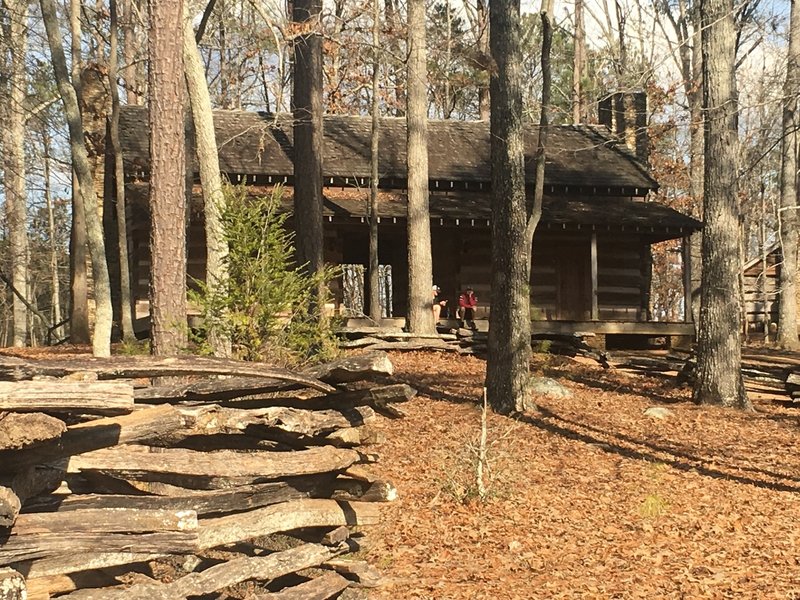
x: 140, y: 462
x: 84, y: 397
x: 284, y: 517
x: 213, y: 419
x: 70, y: 562
x: 105, y: 520
x: 139, y: 426
x: 203, y: 502
x: 17, y: 548
x: 131, y: 367
x: 359, y: 367
x: 264, y: 568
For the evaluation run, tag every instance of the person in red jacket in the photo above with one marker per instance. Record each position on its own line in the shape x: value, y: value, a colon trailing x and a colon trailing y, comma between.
x: 467, y: 302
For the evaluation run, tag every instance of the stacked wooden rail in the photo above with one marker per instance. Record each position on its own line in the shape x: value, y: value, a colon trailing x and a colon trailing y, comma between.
x: 107, y: 480
x: 463, y: 341
x: 762, y: 371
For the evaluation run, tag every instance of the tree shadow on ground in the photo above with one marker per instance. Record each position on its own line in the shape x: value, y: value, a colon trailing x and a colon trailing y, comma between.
x: 625, y: 445
x: 616, y: 387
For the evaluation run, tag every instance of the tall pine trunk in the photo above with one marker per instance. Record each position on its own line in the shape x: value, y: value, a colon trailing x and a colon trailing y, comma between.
x: 719, y: 377
x: 307, y: 110
x: 787, y: 316
x: 420, y: 265
x: 167, y: 181
x: 101, y: 339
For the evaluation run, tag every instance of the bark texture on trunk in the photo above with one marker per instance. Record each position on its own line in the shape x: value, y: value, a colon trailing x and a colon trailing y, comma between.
x: 694, y: 93
x: 129, y: 51
x: 126, y: 304
x: 484, y: 99
x: 208, y: 159
x: 167, y: 182
x: 55, y: 281
x: 719, y: 378
x: 787, y: 308
x: 307, y: 110
x: 14, y: 167
x: 374, y: 261
x: 79, y: 330
x: 420, y: 264
x: 578, y: 66
x: 507, y: 367
x: 101, y: 339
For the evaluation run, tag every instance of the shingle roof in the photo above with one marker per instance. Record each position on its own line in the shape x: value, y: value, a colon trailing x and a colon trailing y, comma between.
x: 579, y: 158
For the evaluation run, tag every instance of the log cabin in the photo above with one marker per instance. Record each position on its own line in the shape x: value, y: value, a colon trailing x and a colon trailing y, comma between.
x: 762, y: 292
x: 592, y: 251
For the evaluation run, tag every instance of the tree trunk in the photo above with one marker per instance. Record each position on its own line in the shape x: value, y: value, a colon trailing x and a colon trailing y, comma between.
x: 126, y: 304
x: 374, y: 261
x: 719, y: 377
x: 80, y: 329
x: 420, y: 265
x: 14, y: 150
x: 101, y: 340
x: 131, y: 44
x: 696, y: 157
x: 55, y: 282
x: 507, y: 367
x: 213, y: 198
x: 167, y: 181
x: 787, y: 316
x: 483, y: 47
x: 394, y: 71
x: 307, y: 100
x: 578, y: 66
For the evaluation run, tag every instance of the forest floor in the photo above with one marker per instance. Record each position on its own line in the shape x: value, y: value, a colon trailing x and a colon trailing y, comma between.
x: 587, y: 497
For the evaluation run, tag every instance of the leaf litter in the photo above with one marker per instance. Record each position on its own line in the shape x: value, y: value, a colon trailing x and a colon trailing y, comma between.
x: 587, y: 497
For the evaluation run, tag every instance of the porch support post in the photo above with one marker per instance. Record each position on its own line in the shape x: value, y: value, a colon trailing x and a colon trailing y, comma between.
x: 686, y: 255
x: 595, y: 305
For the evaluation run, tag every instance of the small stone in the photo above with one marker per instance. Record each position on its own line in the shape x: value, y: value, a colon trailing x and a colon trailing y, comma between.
x: 658, y: 412
x: 545, y: 386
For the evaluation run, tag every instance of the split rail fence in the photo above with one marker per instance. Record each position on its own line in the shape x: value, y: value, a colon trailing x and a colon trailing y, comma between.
x: 116, y: 482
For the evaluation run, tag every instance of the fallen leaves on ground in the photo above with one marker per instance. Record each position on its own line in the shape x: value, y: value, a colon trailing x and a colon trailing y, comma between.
x: 587, y: 497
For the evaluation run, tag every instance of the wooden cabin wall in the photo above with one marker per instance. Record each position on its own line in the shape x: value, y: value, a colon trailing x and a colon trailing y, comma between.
x: 139, y: 234
x: 622, y: 276
x: 560, y: 274
x: 761, y: 293
x: 472, y: 267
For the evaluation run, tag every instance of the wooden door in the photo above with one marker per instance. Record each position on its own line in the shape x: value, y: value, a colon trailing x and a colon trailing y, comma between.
x: 574, y: 289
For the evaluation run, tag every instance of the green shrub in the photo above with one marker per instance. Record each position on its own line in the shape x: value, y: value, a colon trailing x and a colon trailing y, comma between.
x: 268, y: 307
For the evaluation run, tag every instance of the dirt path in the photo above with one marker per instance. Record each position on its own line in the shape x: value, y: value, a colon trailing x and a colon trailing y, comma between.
x: 589, y: 497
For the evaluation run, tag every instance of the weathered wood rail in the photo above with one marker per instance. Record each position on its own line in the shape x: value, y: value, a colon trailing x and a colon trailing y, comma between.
x: 764, y: 370
x: 102, y: 474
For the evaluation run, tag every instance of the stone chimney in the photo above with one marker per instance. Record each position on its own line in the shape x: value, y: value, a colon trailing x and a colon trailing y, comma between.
x: 625, y: 114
